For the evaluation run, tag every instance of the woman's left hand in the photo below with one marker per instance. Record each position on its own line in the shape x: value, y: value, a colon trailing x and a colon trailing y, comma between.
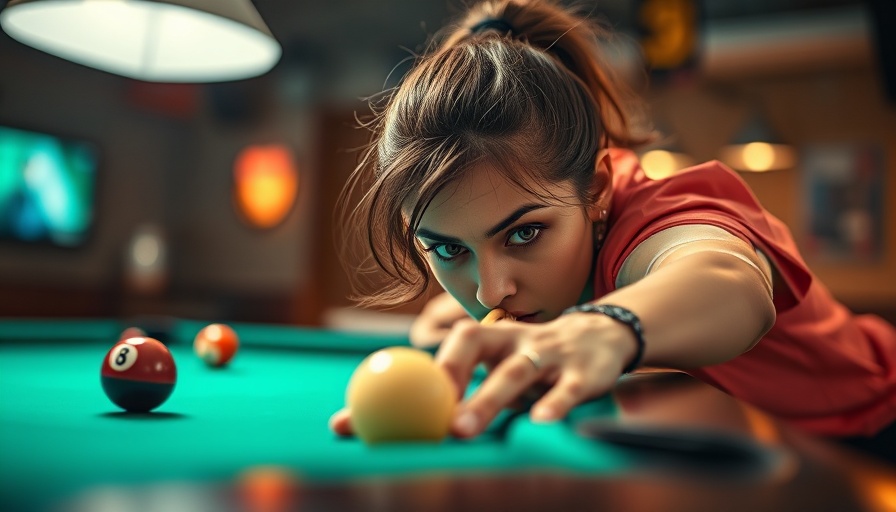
x: 435, y: 321
x: 576, y: 356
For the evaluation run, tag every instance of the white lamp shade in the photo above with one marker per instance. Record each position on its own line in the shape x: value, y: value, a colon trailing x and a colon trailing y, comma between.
x: 162, y: 41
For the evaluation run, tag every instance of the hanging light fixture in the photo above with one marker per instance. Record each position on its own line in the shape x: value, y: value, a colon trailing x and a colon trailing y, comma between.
x: 664, y: 157
x: 151, y: 40
x: 755, y: 148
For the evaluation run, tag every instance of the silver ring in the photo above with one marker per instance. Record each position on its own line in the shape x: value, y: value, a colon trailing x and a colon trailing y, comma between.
x: 533, y: 358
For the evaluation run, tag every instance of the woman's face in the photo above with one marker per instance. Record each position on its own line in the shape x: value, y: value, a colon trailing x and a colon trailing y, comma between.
x: 491, y: 244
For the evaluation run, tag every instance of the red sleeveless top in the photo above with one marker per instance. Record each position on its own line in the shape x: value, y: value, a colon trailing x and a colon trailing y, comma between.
x: 820, y: 367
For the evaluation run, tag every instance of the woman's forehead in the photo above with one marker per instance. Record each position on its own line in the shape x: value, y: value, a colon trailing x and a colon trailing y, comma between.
x: 485, y: 191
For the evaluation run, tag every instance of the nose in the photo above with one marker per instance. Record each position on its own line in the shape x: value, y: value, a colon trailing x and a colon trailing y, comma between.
x: 495, y: 282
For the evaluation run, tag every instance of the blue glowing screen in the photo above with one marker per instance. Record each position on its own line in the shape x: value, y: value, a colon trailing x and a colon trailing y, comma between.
x: 46, y: 187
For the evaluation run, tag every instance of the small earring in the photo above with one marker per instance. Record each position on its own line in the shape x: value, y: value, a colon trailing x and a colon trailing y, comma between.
x: 601, y: 229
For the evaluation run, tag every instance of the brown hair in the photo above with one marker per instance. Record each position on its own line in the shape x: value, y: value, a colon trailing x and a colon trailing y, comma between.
x: 531, y: 79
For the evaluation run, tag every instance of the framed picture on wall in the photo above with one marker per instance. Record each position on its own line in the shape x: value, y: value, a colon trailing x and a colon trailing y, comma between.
x: 844, y: 187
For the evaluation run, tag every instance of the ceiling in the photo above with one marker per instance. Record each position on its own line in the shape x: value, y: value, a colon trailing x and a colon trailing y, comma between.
x: 354, y: 48
x: 408, y: 21
x: 347, y: 39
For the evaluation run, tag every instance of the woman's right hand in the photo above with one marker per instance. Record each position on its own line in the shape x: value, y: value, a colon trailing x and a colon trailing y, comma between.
x: 435, y: 320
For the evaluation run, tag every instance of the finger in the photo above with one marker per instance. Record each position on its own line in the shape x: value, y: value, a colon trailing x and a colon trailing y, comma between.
x: 340, y: 422
x: 425, y: 335
x: 435, y: 321
x: 574, y: 386
x: 501, y: 389
x: 529, y: 396
x: 461, y: 351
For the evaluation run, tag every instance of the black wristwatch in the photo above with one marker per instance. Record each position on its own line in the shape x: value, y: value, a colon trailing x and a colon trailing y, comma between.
x: 619, y: 314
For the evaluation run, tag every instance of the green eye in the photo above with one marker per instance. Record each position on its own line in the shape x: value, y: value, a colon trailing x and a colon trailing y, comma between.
x: 524, y: 235
x: 447, y: 252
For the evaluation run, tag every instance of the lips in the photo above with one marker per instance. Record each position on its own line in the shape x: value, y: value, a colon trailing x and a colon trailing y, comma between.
x: 524, y: 317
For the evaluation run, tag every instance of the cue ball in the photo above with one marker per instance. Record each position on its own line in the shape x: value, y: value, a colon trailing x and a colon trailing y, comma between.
x: 138, y: 374
x: 216, y: 344
x: 400, y: 394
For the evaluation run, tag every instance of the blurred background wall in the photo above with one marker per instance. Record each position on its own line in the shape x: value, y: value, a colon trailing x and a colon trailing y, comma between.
x: 818, y: 72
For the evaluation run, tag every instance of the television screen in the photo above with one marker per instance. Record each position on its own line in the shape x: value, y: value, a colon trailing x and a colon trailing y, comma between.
x: 47, y: 187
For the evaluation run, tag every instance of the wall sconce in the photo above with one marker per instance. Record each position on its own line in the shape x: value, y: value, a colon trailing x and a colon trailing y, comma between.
x: 151, y: 40
x: 266, y: 184
x: 146, y: 260
x: 755, y: 148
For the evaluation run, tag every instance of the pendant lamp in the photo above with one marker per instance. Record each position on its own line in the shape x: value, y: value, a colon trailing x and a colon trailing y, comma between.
x: 150, y: 40
x: 756, y: 148
x: 664, y: 157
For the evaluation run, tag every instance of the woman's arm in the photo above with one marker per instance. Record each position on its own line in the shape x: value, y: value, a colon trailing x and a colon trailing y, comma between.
x: 703, y: 299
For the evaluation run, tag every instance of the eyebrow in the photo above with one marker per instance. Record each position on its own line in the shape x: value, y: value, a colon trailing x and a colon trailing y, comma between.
x: 497, y: 228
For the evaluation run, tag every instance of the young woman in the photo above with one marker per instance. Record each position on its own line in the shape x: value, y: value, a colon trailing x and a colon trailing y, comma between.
x: 499, y: 166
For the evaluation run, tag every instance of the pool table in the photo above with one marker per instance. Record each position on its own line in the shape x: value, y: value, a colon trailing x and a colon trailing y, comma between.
x: 659, y: 441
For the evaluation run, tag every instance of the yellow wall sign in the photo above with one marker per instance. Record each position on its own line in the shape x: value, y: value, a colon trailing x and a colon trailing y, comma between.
x: 670, y: 32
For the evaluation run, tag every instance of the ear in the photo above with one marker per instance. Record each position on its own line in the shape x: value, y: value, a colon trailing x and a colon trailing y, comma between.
x: 601, y: 190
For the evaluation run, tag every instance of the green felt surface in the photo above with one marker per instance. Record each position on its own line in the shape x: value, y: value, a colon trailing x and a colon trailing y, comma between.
x: 59, y: 433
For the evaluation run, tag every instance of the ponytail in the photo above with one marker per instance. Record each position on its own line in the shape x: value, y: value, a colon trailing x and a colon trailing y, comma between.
x: 574, y: 41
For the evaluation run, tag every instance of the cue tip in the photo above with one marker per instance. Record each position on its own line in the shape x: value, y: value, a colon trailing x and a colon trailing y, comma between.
x: 496, y: 315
